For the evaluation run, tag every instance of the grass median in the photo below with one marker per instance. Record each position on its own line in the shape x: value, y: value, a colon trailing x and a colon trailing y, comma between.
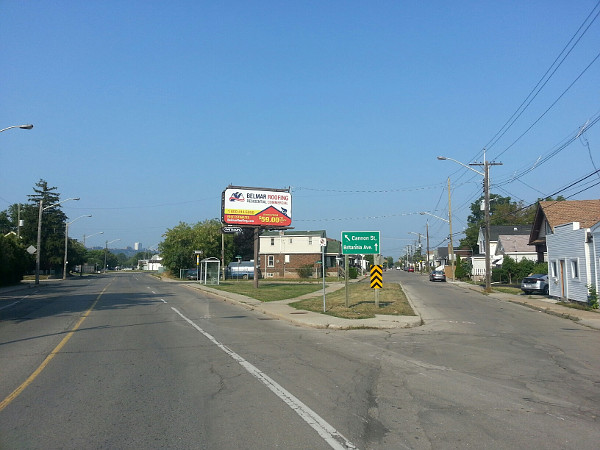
x: 268, y: 292
x: 361, y: 301
x: 392, y: 300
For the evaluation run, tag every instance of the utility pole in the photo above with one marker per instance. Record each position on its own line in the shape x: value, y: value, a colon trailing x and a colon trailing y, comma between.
x: 427, y: 234
x: 451, y: 253
x: 486, y: 198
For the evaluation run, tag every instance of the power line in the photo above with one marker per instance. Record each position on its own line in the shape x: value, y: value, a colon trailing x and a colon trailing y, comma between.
x: 543, y: 81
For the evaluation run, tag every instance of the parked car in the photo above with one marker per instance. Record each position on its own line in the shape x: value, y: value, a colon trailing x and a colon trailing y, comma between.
x: 535, y: 283
x: 411, y: 269
x: 240, y: 270
x: 437, y: 275
x: 192, y: 274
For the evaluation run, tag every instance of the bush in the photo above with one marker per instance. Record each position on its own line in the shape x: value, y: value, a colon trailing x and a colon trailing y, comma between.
x: 353, y: 273
x: 13, y: 260
x: 305, y: 271
x: 540, y: 268
x: 592, y: 297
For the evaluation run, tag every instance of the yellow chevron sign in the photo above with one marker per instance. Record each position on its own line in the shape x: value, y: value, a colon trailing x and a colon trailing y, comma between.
x: 376, y: 277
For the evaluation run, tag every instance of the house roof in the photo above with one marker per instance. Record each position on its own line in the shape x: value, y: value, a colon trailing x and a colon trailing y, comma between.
x: 514, y: 243
x: 586, y: 212
x: 320, y: 233
x: 508, y: 230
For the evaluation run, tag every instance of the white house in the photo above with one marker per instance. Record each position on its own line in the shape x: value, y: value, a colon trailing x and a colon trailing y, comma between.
x: 153, y: 264
x: 478, y: 261
x: 573, y: 260
x: 516, y: 246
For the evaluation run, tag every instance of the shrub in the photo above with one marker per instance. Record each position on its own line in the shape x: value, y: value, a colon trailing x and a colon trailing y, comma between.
x: 592, y: 297
x: 13, y: 260
x: 353, y: 273
x: 305, y: 271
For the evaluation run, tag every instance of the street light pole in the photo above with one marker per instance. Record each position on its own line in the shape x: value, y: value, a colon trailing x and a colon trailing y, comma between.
x: 449, y: 222
x: 23, y: 127
x: 99, y: 232
x: 451, y: 237
x: 419, y: 235
x: 486, y: 198
x: 66, y: 242
x: 39, y: 235
x: 106, y: 251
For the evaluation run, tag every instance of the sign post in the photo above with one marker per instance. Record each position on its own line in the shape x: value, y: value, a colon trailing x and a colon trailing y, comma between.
x: 323, y: 242
x: 376, y: 280
x: 359, y: 243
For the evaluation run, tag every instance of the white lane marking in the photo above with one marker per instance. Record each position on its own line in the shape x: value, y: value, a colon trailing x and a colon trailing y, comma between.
x: 14, y: 303
x: 163, y: 300
x: 11, y: 304
x: 326, y: 431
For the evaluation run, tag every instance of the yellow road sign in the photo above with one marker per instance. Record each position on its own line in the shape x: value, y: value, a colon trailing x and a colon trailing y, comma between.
x: 376, y: 277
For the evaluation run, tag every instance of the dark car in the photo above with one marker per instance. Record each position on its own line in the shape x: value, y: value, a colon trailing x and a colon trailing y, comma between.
x: 535, y: 283
x: 192, y: 274
x: 437, y: 275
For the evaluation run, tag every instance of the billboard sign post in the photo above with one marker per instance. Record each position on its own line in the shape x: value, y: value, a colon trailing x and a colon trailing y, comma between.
x: 257, y: 208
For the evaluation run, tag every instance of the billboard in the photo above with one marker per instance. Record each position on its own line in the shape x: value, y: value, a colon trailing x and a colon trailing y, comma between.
x: 256, y: 207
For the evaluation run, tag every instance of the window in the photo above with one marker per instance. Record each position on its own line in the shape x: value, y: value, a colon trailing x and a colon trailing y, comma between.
x: 553, y: 269
x: 309, y: 240
x: 272, y: 241
x: 270, y: 261
x: 574, y: 268
x: 287, y: 259
x: 290, y: 240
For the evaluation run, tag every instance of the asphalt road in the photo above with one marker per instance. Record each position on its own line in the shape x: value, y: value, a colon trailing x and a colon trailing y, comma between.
x: 128, y: 361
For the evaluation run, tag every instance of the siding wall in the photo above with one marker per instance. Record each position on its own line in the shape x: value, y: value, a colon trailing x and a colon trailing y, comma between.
x: 565, y: 247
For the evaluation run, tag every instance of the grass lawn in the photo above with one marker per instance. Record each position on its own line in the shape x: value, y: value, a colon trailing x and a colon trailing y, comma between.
x: 268, y: 292
x: 392, y: 301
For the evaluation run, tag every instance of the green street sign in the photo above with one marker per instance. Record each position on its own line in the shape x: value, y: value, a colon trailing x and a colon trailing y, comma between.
x: 360, y: 243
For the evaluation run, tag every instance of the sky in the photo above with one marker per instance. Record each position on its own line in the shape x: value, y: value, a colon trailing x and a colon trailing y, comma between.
x: 148, y: 110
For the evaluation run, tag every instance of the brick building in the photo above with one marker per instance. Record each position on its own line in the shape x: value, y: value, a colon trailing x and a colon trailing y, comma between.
x: 282, y: 253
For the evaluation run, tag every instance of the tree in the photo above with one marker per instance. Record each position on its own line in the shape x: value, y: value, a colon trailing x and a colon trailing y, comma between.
x: 53, y: 225
x: 503, y: 211
x: 244, y: 244
x: 463, y: 269
x: 95, y: 258
x: 77, y: 254
x: 180, y: 243
x: 14, y: 260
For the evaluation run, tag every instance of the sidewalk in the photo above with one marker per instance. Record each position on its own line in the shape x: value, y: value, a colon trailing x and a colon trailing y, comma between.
x: 542, y: 303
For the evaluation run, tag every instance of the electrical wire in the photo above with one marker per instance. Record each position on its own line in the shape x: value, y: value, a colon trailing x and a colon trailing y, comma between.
x: 543, y: 80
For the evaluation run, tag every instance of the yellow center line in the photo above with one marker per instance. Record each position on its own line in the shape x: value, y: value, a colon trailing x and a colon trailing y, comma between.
x: 52, y: 354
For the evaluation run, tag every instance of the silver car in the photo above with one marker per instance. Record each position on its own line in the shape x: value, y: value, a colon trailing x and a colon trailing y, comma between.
x: 535, y: 283
x: 437, y: 275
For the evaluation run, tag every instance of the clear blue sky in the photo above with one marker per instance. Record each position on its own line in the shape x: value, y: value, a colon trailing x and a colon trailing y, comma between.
x: 147, y: 110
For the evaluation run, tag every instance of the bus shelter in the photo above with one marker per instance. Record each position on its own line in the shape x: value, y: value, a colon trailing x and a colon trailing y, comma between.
x: 210, y: 268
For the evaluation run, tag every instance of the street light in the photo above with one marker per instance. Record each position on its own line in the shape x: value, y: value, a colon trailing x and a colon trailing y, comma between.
x: 23, y: 127
x: 99, y: 232
x: 39, y: 235
x: 449, y: 222
x: 419, y: 235
x: 66, y: 242
x: 106, y: 251
x: 486, y: 198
